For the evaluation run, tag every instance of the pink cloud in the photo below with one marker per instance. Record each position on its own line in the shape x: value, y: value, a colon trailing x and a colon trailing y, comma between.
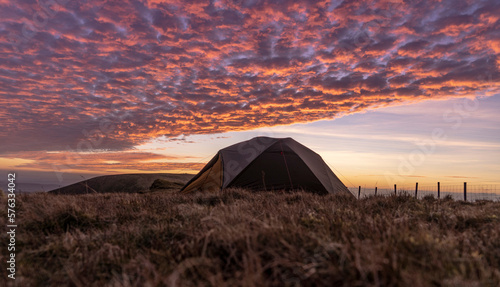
x: 153, y: 68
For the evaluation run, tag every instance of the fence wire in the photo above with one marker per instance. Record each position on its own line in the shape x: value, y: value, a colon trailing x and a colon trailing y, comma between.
x: 474, y: 192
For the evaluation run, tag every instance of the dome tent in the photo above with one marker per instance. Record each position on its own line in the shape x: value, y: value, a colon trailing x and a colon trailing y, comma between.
x: 265, y: 163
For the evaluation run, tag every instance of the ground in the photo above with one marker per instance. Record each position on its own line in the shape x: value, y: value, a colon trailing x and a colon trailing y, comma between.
x: 242, y: 238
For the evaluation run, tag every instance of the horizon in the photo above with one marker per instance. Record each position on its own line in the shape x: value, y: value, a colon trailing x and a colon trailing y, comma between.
x: 386, y: 92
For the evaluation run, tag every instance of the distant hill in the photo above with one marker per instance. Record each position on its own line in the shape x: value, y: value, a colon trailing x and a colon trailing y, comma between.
x: 129, y: 183
x: 23, y: 187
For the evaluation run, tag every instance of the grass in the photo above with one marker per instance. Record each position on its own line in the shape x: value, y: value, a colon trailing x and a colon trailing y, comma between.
x: 239, y: 238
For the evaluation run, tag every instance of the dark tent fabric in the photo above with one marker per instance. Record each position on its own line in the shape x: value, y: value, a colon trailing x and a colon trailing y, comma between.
x: 265, y: 163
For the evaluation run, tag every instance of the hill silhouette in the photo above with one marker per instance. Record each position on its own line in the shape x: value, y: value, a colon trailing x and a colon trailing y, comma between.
x: 128, y: 183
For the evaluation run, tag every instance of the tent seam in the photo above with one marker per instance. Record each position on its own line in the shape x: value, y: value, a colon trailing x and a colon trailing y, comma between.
x: 305, y: 164
x: 246, y: 167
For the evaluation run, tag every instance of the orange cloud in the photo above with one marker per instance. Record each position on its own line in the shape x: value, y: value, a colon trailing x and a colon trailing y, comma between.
x: 101, y: 161
x: 109, y: 76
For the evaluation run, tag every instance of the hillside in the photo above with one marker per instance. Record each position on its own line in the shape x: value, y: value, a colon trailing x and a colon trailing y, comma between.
x: 240, y: 238
x: 129, y: 183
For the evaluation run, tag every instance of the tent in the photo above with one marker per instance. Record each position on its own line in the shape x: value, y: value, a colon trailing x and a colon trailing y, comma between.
x: 265, y: 163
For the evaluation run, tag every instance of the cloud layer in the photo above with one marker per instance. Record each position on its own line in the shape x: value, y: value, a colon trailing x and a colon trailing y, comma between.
x: 109, y: 75
x: 104, y: 162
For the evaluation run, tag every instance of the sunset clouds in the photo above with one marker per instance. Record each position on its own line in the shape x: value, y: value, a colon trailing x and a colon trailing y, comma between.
x: 103, y: 161
x: 125, y: 72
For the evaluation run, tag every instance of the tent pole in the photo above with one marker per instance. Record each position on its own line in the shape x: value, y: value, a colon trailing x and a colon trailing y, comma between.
x: 288, y: 171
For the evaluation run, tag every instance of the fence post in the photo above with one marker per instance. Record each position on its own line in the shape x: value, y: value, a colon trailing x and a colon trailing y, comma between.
x: 416, y: 190
x: 465, y: 191
x: 359, y: 191
x: 395, y: 193
x: 439, y: 190
x: 375, y: 191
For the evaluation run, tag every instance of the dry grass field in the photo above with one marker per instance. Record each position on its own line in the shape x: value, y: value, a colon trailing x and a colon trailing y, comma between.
x: 239, y: 238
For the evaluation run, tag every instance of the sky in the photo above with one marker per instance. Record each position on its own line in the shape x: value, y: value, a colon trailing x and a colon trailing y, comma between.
x: 385, y: 91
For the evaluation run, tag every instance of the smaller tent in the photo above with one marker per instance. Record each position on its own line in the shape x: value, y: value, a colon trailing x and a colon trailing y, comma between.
x: 265, y: 163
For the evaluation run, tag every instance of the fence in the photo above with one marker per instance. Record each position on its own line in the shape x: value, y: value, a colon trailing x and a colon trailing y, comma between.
x: 465, y: 191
